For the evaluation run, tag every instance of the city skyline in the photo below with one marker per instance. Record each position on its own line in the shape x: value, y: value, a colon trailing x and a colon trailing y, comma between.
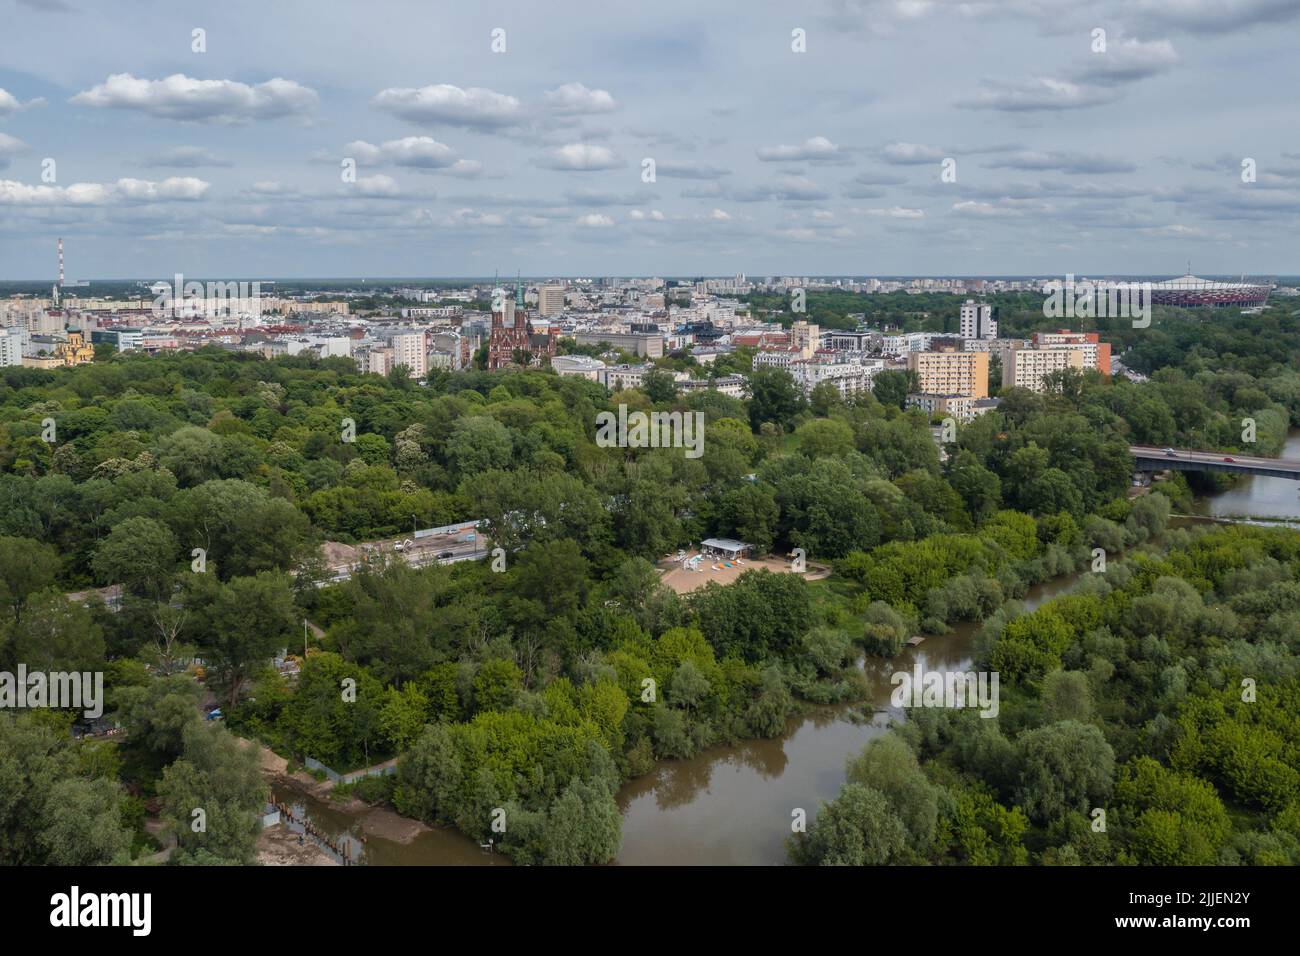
x: 828, y: 162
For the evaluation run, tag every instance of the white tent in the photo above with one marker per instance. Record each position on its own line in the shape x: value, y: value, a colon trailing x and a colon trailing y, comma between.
x: 727, y: 547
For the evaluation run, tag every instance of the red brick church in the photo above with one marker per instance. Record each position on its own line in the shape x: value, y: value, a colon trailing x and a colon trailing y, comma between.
x: 512, y: 333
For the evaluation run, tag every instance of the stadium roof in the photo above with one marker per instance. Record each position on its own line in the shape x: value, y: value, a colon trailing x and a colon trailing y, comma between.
x: 1194, y: 283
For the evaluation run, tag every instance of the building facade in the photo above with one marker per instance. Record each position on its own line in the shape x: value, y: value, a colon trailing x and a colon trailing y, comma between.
x: 1027, y: 368
x: 977, y: 321
x: 951, y: 373
x: 550, y: 300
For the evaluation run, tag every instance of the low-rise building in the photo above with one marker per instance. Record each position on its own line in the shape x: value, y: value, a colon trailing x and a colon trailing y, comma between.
x: 849, y: 378
x: 619, y: 377
x: 959, y: 407
x: 733, y: 385
x: 644, y: 344
x: 580, y: 366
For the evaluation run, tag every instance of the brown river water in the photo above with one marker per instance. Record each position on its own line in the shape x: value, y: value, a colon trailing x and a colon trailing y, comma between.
x: 732, y: 805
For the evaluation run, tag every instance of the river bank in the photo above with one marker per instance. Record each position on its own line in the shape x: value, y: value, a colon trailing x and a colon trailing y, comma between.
x: 732, y: 805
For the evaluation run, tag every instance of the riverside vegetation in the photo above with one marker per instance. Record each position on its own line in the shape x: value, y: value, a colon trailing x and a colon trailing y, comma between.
x: 536, y: 691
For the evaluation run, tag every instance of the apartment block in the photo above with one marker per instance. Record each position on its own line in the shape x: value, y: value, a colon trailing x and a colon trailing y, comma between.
x: 1026, y: 368
x: 412, y: 350
x: 782, y: 357
x: 951, y: 373
x: 1096, y: 353
x: 377, y: 360
x: 977, y: 321
x: 12, y: 343
x: 806, y: 338
x: 902, y: 344
x: 849, y: 378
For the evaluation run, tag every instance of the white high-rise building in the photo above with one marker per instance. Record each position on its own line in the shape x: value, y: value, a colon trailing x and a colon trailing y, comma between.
x: 11, y: 346
x: 977, y: 321
x: 412, y: 350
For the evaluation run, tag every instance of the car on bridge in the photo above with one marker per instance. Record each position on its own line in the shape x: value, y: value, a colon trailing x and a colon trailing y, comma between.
x: 1170, y: 453
x: 1230, y: 460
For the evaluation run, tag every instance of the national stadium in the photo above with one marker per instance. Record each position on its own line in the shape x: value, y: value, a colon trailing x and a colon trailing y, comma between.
x: 1189, y: 291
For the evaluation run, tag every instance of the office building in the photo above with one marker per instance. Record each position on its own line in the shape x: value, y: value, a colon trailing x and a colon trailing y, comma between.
x: 550, y: 300
x: 643, y: 344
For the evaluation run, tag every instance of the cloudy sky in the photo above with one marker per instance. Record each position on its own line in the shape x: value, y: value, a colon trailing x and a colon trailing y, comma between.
x: 516, y: 136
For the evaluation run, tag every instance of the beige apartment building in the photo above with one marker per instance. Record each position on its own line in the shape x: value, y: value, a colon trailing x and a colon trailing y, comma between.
x: 412, y: 350
x: 951, y: 373
x: 1026, y: 368
x: 806, y: 338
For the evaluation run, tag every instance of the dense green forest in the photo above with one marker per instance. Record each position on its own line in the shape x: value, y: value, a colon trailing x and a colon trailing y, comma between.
x: 1149, y: 716
x: 538, y: 689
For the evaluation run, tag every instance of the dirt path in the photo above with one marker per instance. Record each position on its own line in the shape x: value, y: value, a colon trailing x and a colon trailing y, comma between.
x: 683, y: 581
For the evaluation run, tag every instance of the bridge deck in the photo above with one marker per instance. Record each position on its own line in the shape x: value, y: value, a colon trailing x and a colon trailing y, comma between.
x: 1150, y: 458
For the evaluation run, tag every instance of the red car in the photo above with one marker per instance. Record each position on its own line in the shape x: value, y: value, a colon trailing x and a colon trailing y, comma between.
x: 1233, y: 460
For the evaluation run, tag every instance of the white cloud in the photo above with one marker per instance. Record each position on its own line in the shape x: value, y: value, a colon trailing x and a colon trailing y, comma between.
x: 816, y: 149
x: 582, y: 157
x: 576, y: 99
x: 443, y: 103
x: 378, y: 187
x: 11, y: 146
x: 895, y: 212
x: 180, y: 97
x: 910, y: 154
x: 472, y: 217
x: 421, y: 152
x: 798, y: 189
x: 176, y: 187
x: 1039, y: 93
x: 1071, y: 163
x: 465, y: 168
x: 181, y: 188
x: 1127, y: 60
x: 595, y: 220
